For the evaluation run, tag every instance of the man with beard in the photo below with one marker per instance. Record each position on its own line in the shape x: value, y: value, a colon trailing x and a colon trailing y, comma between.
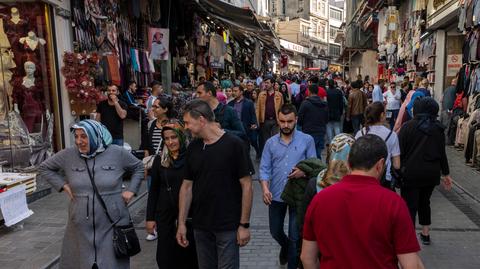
x: 111, y: 113
x: 281, y: 154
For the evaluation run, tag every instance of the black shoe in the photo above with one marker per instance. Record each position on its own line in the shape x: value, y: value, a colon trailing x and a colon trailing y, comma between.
x: 425, y: 239
x: 283, y: 257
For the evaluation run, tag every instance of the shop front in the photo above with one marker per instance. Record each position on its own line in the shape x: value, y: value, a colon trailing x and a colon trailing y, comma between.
x: 298, y: 55
x: 30, y: 109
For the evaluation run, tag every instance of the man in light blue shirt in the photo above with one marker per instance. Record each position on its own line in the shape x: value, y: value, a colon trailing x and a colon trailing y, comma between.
x: 377, y: 94
x: 280, y: 155
x: 295, y: 87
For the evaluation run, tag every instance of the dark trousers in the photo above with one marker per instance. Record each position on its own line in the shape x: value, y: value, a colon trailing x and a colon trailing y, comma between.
x: 393, y: 117
x: 217, y: 249
x: 357, y: 121
x: 253, y: 139
x: 319, y: 140
x: 418, y: 200
x: 276, y: 215
x: 170, y: 255
x: 267, y: 129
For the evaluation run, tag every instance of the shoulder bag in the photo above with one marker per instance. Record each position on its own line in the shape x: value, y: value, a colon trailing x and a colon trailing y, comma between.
x: 148, y: 161
x: 125, y: 239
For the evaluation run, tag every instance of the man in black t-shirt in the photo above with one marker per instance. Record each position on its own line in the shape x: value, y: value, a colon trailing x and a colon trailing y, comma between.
x: 111, y: 113
x: 218, y: 186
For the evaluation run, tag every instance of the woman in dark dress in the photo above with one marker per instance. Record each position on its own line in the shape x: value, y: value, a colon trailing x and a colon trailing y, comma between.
x: 162, y: 206
x: 424, y: 160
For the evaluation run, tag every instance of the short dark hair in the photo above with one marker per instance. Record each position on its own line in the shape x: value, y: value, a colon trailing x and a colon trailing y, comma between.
x: 331, y: 83
x: 314, y: 79
x: 132, y: 82
x: 286, y: 109
x: 198, y: 108
x: 313, y: 89
x: 366, y: 152
x: 357, y: 84
x: 209, y: 87
x: 271, y: 79
x: 165, y: 102
x: 154, y: 83
x: 240, y: 87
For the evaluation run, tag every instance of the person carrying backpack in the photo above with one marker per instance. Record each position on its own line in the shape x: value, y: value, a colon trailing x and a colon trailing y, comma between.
x: 375, y: 119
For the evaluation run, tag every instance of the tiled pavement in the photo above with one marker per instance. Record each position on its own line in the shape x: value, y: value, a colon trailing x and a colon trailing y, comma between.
x: 455, y: 234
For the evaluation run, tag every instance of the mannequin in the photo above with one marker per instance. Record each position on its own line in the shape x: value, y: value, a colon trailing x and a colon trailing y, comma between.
x: 4, y: 43
x: 15, y: 19
x: 31, y: 41
x: 29, y: 79
x: 6, y: 101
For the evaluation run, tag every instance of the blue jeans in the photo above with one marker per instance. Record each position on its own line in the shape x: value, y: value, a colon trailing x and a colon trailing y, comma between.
x: 276, y: 217
x: 253, y: 138
x: 319, y: 140
x: 393, y: 118
x: 118, y: 141
x: 217, y: 249
x: 356, y: 122
x: 333, y: 128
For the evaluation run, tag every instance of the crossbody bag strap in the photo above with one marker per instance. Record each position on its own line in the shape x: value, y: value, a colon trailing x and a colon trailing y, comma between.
x: 97, y: 193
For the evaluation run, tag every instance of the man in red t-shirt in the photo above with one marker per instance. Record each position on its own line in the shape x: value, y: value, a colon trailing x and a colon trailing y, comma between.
x: 358, y: 224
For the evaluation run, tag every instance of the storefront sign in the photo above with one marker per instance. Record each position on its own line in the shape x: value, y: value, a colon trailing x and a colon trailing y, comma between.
x: 292, y: 62
x: 293, y: 47
x: 335, y: 68
x: 13, y: 204
x: 454, y: 63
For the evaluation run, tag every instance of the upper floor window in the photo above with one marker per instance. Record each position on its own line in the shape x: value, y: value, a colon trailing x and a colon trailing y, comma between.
x: 333, y: 32
x: 336, y: 14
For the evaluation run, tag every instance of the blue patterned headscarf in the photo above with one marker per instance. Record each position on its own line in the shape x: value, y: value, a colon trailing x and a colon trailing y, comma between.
x: 98, y: 136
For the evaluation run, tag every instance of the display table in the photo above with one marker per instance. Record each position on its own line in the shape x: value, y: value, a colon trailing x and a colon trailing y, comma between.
x: 14, y: 188
x: 10, y: 180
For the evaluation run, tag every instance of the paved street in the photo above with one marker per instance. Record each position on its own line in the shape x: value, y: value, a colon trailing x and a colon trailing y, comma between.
x: 455, y: 235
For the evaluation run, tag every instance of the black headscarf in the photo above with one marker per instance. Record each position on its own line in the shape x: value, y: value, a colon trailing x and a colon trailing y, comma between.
x: 425, y: 111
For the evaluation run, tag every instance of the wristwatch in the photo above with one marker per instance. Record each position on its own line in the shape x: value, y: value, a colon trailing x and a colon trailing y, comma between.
x: 245, y: 225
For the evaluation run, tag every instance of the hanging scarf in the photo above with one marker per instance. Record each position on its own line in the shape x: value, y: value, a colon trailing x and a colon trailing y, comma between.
x: 98, y: 136
x: 166, y: 158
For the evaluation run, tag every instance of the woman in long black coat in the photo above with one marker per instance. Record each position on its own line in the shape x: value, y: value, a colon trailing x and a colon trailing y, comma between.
x: 424, y: 160
x: 162, y: 206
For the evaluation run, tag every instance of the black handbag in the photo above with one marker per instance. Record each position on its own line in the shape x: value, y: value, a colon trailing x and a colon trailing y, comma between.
x: 125, y: 239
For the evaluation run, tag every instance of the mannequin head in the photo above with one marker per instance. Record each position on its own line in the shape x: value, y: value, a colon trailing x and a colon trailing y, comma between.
x: 29, y: 68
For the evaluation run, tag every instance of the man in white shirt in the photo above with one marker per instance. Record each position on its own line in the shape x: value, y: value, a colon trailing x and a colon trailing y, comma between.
x: 393, y: 99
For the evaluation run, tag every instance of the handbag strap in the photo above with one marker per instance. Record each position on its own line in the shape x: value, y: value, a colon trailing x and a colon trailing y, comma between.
x: 91, y: 175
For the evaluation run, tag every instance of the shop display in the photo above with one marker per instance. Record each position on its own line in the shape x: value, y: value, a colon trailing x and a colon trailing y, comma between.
x: 27, y: 81
x: 80, y: 70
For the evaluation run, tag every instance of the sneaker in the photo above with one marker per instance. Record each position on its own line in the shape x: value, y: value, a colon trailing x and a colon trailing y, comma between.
x: 283, y: 257
x: 152, y: 237
x: 425, y: 239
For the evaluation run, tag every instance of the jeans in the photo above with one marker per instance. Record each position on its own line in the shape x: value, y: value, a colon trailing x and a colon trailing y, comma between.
x: 393, y: 118
x: 118, y: 141
x: 333, y: 128
x: 418, y: 199
x: 319, y: 140
x: 217, y: 249
x: 357, y: 121
x: 276, y: 216
x: 253, y: 138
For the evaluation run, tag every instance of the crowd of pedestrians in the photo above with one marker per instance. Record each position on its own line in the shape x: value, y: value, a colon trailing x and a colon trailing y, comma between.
x: 331, y: 153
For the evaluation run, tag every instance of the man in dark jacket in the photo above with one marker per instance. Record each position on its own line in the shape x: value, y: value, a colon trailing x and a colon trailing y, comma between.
x: 245, y: 110
x: 313, y: 118
x: 336, y: 103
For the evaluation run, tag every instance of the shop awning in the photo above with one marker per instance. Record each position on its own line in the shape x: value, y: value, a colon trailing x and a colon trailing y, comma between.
x: 240, y: 20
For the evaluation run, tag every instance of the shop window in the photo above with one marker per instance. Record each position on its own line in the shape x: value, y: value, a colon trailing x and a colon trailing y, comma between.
x: 27, y: 81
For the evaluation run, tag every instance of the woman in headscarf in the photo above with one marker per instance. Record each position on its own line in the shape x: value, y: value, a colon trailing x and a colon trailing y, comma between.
x: 337, y: 155
x: 162, y: 206
x: 423, y: 159
x: 88, y: 236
